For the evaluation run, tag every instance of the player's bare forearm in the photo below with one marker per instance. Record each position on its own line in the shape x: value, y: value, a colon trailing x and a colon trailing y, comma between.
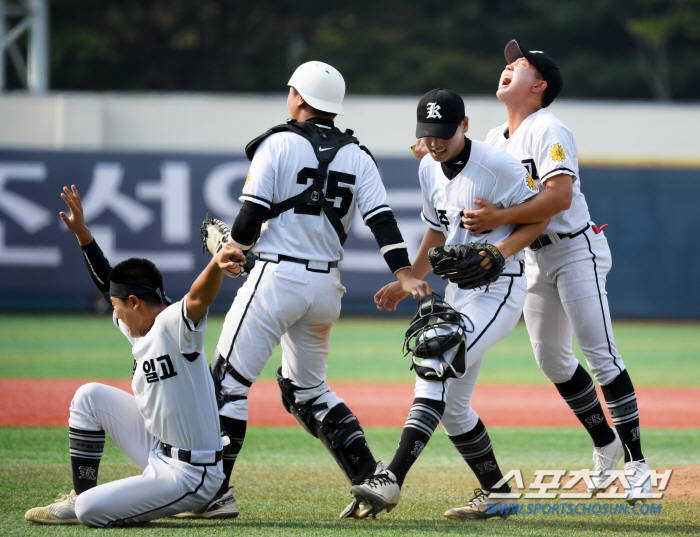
x: 205, y: 288
x: 556, y: 197
x: 416, y: 287
x: 391, y: 294
x: 75, y: 222
x: 421, y: 265
x: 521, y: 237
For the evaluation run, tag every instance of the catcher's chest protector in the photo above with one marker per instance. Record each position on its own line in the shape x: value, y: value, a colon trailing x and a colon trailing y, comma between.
x: 326, y: 142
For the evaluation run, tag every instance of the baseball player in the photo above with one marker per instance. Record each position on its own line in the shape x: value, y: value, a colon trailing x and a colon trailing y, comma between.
x: 458, y: 171
x: 169, y: 428
x: 566, y: 267
x: 306, y: 181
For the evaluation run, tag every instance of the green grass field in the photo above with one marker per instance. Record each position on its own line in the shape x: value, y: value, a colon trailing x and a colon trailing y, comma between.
x: 289, y: 485
x: 369, y: 350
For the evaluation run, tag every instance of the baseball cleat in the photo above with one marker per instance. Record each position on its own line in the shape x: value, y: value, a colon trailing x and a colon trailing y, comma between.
x: 62, y: 511
x: 639, y: 481
x: 358, y: 509
x: 380, y: 490
x: 481, y: 506
x: 605, y: 460
x: 223, y: 505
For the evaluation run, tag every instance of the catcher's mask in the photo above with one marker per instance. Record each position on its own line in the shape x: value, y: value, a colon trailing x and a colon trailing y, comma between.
x: 437, y: 328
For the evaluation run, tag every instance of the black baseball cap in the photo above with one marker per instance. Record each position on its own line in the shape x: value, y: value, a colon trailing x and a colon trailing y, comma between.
x: 440, y: 112
x: 543, y: 63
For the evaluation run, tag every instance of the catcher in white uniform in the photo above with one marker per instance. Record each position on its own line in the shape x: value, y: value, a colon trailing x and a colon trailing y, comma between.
x: 169, y: 428
x: 566, y: 267
x: 307, y: 179
x: 457, y: 171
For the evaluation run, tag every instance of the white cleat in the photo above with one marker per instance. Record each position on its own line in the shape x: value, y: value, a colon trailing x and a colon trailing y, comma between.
x: 380, y: 491
x: 639, y: 480
x: 482, y: 506
x: 605, y: 460
x: 220, y: 506
x: 62, y: 511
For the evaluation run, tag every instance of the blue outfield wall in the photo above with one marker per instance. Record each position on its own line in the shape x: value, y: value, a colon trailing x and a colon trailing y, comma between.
x: 151, y: 205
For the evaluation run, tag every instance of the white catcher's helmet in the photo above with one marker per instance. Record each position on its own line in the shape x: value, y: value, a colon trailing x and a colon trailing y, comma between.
x: 321, y: 85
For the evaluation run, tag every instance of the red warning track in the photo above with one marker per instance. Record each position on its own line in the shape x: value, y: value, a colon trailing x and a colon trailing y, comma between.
x: 45, y: 402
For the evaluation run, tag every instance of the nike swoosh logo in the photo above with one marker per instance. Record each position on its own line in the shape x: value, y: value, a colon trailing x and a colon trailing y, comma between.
x: 324, y: 148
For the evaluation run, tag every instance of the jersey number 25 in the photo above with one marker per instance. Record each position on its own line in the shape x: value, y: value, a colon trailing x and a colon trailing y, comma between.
x: 333, y: 191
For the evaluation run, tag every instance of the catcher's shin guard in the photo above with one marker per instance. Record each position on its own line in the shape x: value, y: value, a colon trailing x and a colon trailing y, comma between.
x: 344, y: 439
x: 340, y: 431
x: 302, y: 412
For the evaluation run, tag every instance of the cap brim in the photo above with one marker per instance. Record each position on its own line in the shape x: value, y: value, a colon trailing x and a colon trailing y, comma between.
x: 513, y: 51
x: 444, y: 131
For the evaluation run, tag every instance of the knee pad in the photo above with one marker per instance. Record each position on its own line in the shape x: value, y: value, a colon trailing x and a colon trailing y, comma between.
x: 218, y: 368
x: 302, y: 412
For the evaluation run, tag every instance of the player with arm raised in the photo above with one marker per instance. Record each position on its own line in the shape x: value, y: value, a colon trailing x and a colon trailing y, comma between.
x: 566, y: 267
x: 307, y: 179
x: 169, y: 428
x: 448, y: 354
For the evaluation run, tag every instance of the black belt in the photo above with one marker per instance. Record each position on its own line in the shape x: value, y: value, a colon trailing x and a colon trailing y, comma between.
x: 331, y: 264
x: 545, y: 240
x: 185, y: 456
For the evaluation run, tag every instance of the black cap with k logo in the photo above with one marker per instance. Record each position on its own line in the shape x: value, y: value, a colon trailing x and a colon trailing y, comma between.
x: 440, y: 112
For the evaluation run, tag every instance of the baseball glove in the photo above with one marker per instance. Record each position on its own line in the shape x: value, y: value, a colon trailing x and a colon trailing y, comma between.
x: 214, y: 235
x: 461, y: 264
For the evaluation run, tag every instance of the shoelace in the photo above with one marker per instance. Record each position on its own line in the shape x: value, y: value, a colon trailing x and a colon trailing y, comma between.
x: 378, y: 479
x: 479, y: 496
x: 598, y: 462
x: 64, y: 498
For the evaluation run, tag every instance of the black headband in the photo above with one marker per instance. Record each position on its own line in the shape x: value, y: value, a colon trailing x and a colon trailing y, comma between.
x: 125, y: 290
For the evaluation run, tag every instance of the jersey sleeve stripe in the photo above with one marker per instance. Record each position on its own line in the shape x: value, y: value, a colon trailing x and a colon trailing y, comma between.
x: 431, y: 224
x: 389, y: 247
x: 558, y: 170
x: 184, y: 315
x: 376, y: 210
x: 255, y: 199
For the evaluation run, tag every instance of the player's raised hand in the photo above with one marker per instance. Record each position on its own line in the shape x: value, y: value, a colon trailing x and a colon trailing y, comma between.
x: 75, y: 222
x: 229, y: 258
x: 481, y: 219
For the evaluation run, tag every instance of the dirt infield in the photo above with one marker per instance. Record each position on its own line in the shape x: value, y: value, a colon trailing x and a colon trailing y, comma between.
x: 45, y: 402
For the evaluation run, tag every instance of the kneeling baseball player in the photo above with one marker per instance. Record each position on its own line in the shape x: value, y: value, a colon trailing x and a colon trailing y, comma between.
x: 483, y: 301
x: 169, y: 428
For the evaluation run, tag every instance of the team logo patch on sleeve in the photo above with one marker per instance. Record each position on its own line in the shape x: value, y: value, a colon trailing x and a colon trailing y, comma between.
x: 531, y: 183
x: 556, y: 153
x: 247, y: 179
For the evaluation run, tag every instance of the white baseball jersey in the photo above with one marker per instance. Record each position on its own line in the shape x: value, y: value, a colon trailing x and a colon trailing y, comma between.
x: 305, y: 232
x: 490, y: 175
x: 546, y: 147
x: 171, y: 382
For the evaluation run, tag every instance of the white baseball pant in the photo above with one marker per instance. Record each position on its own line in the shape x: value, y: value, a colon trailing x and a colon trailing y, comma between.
x: 566, y: 295
x: 282, y: 302
x: 166, y: 487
